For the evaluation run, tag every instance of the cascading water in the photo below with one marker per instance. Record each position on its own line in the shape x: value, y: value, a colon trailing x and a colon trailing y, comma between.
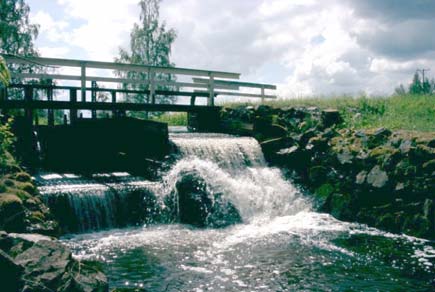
x: 235, y: 167
x: 280, y: 245
x: 99, y: 202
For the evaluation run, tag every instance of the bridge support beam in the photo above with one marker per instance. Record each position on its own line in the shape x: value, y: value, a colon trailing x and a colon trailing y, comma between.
x: 73, y: 112
x: 28, y: 97
x: 50, y: 111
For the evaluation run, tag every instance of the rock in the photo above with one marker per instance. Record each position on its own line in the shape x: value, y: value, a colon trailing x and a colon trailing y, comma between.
x: 263, y: 110
x: 271, y: 146
x: 378, y: 138
x: 429, y: 166
x: 361, y: 177
x: 198, y: 207
x: 339, y: 206
x: 44, y: 264
x: 10, y: 273
x: 421, y: 154
x: 11, y: 213
x: 318, y: 174
x: 287, y: 151
x: 318, y: 144
x: 331, y: 117
x: 345, y: 157
x: 377, y: 177
x: 405, y: 146
x: 417, y: 225
x: 382, y: 132
x: 23, y: 177
x: 400, y: 186
x: 322, y: 194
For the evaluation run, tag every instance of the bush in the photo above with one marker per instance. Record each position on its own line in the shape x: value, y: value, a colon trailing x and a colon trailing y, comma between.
x: 6, y: 142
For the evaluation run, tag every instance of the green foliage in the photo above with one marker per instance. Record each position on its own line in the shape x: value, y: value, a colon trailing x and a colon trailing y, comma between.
x: 5, y: 76
x: 6, y: 142
x: 150, y: 44
x: 398, y: 112
x: 417, y: 86
x: 172, y: 119
x: 16, y: 31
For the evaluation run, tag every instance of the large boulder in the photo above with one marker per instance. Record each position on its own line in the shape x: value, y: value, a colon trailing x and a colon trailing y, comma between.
x: 198, y: 206
x: 39, y: 263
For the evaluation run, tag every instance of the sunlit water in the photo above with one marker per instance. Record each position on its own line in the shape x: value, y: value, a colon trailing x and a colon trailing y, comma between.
x: 282, y: 244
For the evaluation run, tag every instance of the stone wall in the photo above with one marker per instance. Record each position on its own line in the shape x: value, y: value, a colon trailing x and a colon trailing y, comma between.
x: 382, y: 178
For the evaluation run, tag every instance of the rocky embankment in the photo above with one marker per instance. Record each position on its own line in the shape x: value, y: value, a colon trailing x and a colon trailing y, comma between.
x: 382, y: 178
x: 29, y: 259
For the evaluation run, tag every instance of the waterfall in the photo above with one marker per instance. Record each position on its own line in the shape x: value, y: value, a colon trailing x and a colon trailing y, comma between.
x: 99, y: 202
x: 235, y: 167
x: 216, y: 181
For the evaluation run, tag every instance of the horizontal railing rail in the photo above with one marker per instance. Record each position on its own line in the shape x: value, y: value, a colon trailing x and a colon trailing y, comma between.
x: 204, y: 83
x: 202, y: 80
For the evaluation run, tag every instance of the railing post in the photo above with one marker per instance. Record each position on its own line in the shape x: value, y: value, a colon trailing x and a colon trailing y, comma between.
x: 262, y: 94
x: 50, y: 111
x: 4, y: 97
x: 83, y: 81
x: 28, y: 96
x: 151, y: 77
x: 114, y: 113
x: 73, y: 111
x: 94, y: 98
x: 192, y: 100
x: 210, y: 101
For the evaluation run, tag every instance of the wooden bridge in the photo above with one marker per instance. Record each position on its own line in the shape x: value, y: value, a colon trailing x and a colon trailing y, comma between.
x: 200, y: 84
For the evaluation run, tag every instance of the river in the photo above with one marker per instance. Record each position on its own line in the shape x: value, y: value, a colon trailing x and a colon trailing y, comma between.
x: 282, y: 243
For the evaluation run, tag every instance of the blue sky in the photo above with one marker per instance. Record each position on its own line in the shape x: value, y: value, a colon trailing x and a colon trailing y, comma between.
x: 309, y: 47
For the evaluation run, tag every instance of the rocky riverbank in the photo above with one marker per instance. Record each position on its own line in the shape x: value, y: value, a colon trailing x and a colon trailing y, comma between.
x: 382, y: 178
x: 29, y: 259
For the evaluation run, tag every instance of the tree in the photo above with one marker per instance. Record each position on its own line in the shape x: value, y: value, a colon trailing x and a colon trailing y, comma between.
x: 400, y: 90
x: 16, y: 31
x: 416, y: 85
x: 150, y: 44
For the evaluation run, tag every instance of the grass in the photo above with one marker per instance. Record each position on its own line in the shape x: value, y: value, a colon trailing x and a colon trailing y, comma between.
x: 172, y: 119
x: 405, y: 112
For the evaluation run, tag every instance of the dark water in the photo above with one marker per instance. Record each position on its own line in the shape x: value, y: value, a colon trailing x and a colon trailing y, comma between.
x: 282, y: 244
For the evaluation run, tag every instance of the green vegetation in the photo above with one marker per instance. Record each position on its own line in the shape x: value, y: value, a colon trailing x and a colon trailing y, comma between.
x: 398, y: 112
x: 172, y: 119
x: 150, y: 44
x: 5, y: 76
x: 7, y: 162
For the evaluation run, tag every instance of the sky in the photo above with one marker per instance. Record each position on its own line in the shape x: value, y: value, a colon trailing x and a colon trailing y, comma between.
x: 305, y: 47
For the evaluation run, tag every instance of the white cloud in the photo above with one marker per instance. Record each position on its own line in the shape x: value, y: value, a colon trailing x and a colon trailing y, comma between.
x: 105, y: 25
x: 308, y: 47
x: 53, y: 30
x: 54, y: 52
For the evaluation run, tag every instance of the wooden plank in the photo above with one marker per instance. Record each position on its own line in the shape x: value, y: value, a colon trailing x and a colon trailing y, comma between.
x: 117, y: 80
x: 235, y: 83
x: 124, y: 106
x: 241, y: 94
x: 117, y: 66
x: 158, y: 92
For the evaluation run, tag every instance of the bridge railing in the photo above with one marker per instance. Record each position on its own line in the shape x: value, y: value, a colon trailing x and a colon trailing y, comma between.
x: 204, y: 83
